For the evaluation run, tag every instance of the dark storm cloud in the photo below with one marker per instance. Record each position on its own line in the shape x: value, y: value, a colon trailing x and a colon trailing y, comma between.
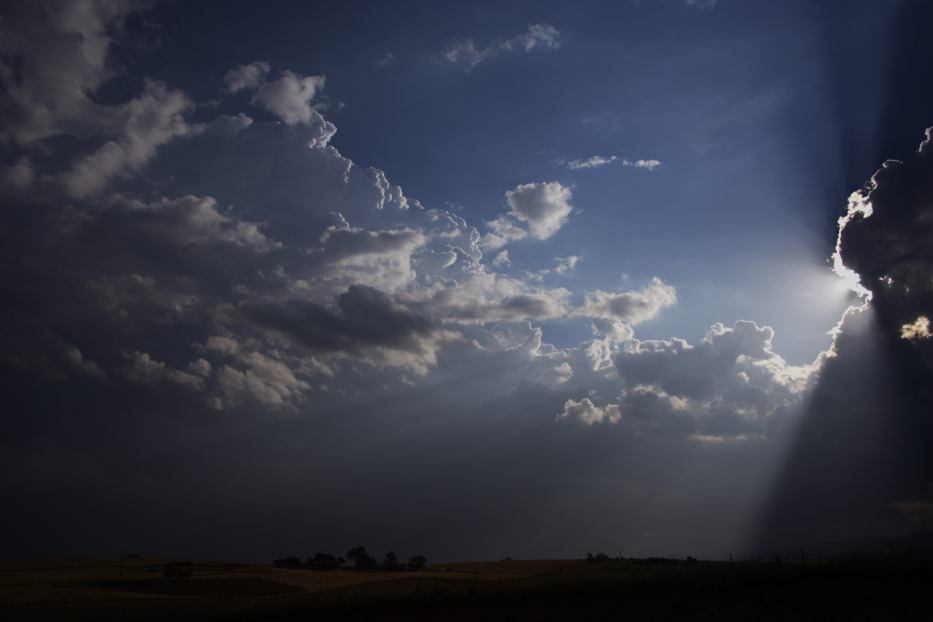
x: 364, y: 317
x: 861, y: 454
x: 889, y: 246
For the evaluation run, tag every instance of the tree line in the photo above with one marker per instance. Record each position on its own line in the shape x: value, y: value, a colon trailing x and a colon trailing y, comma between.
x: 361, y: 559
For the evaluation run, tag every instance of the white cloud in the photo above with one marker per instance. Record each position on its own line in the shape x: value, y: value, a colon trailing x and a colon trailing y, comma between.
x: 592, y: 162
x: 54, y: 57
x: 732, y: 369
x: 598, y: 161
x: 565, y: 265
x: 918, y: 329
x: 543, y: 207
x: 345, y: 278
x: 385, y: 60
x: 502, y: 230
x: 615, y: 313
x: 149, y: 121
x: 83, y: 365
x: 223, y: 345
x: 146, y: 370
x: 187, y: 220
x: 702, y: 4
x: 263, y: 379
x: 289, y: 97
x: 467, y: 55
x: 246, y: 77
x: 646, y: 164
x: 588, y: 413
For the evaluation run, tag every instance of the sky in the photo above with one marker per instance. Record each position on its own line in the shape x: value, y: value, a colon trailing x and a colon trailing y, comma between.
x: 470, y: 280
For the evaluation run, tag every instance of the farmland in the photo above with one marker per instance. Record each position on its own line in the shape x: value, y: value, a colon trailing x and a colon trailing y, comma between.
x: 137, y: 589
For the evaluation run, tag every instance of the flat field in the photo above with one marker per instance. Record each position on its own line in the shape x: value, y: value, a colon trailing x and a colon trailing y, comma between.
x: 864, y: 588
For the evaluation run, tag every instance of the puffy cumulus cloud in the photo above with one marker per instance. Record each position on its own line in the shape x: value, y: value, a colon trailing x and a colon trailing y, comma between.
x: 544, y: 207
x: 562, y: 267
x: 884, y: 242
x: 615, y: 313
x: 54, y: 60
x: 536, y: 209
x: 732, y: 375
x: 248, y: 76
x: 83, y: 365
x: 502, y: 230
x: 467, y: 55
x: 142, y: 368
x: 383, y: 259
x: 169, y: 223
x: 728, y: 388
x: 586, y: 412
x: 148, y: 121
x: 502, y: 260
x: 566, y: 265
x: 918, y: 329
x: 261, y: 379
x: 287, y: 97
x: 273, y: 268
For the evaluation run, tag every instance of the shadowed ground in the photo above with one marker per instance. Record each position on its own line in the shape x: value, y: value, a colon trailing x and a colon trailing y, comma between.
x: 866, y: 587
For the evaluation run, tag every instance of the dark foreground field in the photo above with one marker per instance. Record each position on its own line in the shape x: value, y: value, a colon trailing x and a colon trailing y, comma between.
x: 862, y: 588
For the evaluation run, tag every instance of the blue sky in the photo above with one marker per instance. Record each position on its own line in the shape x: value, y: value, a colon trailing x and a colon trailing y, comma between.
x: 577, y: 258
x: 739, y: 101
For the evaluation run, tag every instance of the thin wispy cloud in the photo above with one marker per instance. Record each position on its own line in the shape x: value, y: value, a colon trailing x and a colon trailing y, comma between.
x: 599, y: 161
x: 466, y: 54
x: 595, y: 161
x: 707, y: 5
x: 648, y: 164
x: 385, y: 60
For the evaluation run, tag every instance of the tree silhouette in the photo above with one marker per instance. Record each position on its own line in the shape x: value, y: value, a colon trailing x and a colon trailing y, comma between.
x: 390, y: 561
x: 417, y: 562
x: 360, y: 557
x: 322, y: 561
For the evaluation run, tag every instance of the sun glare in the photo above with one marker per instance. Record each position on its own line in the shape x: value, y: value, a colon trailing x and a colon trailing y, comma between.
x: 858, y: 206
